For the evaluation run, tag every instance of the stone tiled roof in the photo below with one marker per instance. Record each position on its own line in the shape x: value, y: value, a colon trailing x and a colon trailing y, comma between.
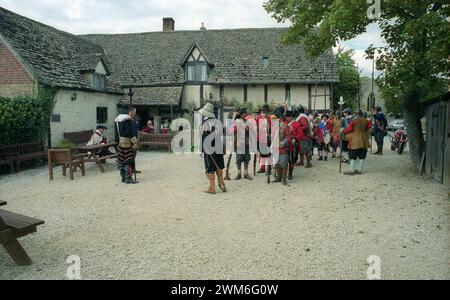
x: 155, y: 96
x: 236, y: 56
x: 54, y: 57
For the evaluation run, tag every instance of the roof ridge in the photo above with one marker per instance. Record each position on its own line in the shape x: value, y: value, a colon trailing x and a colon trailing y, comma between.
x: 77, y: 37
x: 187, y: 31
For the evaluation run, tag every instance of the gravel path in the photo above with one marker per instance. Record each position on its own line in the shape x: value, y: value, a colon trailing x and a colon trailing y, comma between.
x: 320, y: 227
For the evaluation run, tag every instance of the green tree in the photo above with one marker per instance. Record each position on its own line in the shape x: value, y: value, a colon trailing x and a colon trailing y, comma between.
x: 415, y: 63
x: 349, y: 78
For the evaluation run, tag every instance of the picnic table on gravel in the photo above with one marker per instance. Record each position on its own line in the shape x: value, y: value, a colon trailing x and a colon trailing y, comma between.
x: 12, y: 227
x: 92, y: 154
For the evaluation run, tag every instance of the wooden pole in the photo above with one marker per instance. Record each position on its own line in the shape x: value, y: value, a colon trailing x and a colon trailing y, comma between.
x: 341, y: 106
x: 130, y: 107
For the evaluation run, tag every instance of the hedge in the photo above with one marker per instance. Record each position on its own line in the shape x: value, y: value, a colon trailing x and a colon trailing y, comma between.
x: 26, y: 118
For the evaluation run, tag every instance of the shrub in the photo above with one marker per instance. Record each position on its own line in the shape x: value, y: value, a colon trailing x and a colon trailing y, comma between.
x: 26, y: 118
x: 66, y: 144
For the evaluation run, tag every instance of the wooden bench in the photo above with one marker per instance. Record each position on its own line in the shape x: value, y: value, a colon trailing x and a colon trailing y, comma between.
x: 80, y: 137
x: 156, y: 139
x: 8, y: 161
x: 12, y: 227
x: 24, y: 152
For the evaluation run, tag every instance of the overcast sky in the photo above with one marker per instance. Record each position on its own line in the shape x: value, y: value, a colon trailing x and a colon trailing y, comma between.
x: 118, y: 16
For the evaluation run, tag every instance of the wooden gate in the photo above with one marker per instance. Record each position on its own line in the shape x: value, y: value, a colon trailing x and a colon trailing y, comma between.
x: 447, y: 149
x: 436, y: 140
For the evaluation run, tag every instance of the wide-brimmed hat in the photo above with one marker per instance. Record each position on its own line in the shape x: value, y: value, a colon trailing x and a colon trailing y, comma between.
x: 265, y: 108
x: 208, y: 111
x: 101, y: 127
x: 347, y: 110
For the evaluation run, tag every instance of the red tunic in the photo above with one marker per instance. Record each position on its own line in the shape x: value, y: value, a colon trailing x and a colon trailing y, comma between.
x: 319, y: 135
x: 286, y: 133
x: 304, y: 127
x: 298, y: 134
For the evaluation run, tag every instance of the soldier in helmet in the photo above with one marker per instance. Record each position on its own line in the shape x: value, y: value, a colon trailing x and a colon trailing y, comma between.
x: 213, y: 159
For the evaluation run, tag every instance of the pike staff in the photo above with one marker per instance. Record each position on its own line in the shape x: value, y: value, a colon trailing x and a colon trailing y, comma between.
x: 341, y: 105
x: 130, y: 107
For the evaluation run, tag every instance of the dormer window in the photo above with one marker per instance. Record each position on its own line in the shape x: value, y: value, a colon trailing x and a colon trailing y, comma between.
x: 196, y: 72
x: 196, y: 67
x: 96, y: 76
x: 99, y: 81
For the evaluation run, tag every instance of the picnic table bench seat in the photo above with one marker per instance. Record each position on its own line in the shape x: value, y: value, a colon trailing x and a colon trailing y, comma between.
x: 156, y: 139
x: 12, y: 227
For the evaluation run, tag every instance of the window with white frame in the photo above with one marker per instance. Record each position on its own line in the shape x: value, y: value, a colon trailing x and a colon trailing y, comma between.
x: 196, y: 67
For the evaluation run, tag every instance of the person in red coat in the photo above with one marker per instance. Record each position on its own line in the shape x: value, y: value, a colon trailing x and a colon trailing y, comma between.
x: 295, y: 149
x: 263, y: 122
x: 307, y: 137
x: 323, y: 134
x: 285, y: 140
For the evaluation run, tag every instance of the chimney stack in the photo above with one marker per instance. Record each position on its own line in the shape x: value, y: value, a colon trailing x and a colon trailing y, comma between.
x: 168, y: 24
x: 203, y: 28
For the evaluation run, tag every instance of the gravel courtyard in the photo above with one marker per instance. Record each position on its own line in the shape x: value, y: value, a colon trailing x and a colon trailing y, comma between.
x: 323, y: 226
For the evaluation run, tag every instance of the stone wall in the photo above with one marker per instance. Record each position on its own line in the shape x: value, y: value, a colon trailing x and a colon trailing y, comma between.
x: 81, y: 114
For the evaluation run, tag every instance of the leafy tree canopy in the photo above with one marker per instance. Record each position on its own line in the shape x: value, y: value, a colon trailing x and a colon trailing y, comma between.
x: 415, y: 63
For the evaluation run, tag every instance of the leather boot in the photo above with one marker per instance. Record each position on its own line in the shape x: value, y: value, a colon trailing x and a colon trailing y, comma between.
x: 291, y: 175
x: 284, y: 172
x: 212, y: 183
x: 246, y: 175
x: 239, y: 175
x: 221, y: 181
x: 123, y: 174
x: 308, y: 164
x: 129, y: 177
x: 278, y: 175
x: 268, y: 173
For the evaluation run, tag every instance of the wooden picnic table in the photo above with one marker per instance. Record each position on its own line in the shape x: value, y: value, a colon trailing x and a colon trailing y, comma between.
x: 3, y: 202
x: 92, y: 154
x: 12, y: 227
